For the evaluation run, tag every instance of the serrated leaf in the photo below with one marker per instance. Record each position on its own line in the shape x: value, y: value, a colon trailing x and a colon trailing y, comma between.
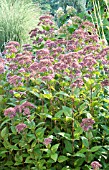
x: 62, y: 158
x: 80, y: 155
x: 33, y: 144
x: 95, y: 148
x: 54, y: 156
x: 40, y: 124
x: 4, y: 122
x: 68, y: 146
x: 85, y: 141
x: 79, y: 162
x: 34, y: 93
x: 59, y: 114
x: 18, y: 163
x: 13, y: 147
x: 9, y: 163
x: 65, y: 135
x: 55, y: 147
x: 67, y: 111
x: 62, y: 93
x: 4, y: 132
x: 47, y: 96
x: 28, y: 160
x: 13, y: 129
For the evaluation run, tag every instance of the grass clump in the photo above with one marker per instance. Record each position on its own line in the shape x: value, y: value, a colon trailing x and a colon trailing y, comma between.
x: 17, y: 18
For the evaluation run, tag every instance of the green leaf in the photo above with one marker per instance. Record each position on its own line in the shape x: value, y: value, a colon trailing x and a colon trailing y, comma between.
x: 34, y: 93
x: 9, y: 163
x: 95, y: 148
x: 106, y: 129
x: 62, y: 158
x: 13, y: 129
x: 83, y: 150
x: 71, y: 29
x: 67, y: 111
x: 40, y: 124
x: 4, y: 122
x: 28, y: 160
x: 13, y: 147
x: 33, y: 144
x: 4, y: 133
x: 62, y: 93
x: 18, y: 163
x: 65, y: 135
x: 85, y: 141
x: 30, y: 137
x: 6, y: 144
x: 54, y: 156
x: 89, y: 135
x: 55, y: 147
x: 79, y: 162
x: 2, y: 152
x: 18, y: 158
x: 40, y: 134
x: 80, y: 155
x: 89, y: 157
x: 47, y: 96
x: 59, y: 114
x: 68, y: 146
x: 78, y: 132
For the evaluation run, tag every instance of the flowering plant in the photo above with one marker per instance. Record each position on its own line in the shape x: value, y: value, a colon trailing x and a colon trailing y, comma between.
x: 54, y: 99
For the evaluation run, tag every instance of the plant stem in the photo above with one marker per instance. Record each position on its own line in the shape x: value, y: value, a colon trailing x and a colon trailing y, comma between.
x: 72, y: 132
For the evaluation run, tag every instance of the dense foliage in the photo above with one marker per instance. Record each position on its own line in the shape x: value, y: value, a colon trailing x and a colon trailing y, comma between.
x: 54, y: 97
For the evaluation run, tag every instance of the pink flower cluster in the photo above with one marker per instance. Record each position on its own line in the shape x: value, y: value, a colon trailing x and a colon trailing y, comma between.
x: 15, y: 80
x: 11, y: 47
x: 24, y: 108
x: 46, y: 20
x: 20, y: 127
x: 2, y: 68
x: 105, y: 83
x: 47, y: 141
x: 80, y: 54
x: 96, y: 165
x: 87, y: 124
x: 11, y: 112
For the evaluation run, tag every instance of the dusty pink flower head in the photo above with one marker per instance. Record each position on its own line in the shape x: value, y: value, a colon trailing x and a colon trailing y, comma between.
x: 20, y: 127
x: 87, y: 124
x: 14, y: 79
x: 43, y: 69
x: 1, y: 68
x: 15, y: 43
x: 96, y: 165
x: 47, y: 141
x: 48, y: 78
x: 11, y: 48
x: 105, y: 83
x: 50, y: 43
x: 11, y: 112
x: 27, y: 47
x: 44, y: 17
x: 26, y: 104
x: 26, y: 111
x: 78, y: 83
x: 43, y: 52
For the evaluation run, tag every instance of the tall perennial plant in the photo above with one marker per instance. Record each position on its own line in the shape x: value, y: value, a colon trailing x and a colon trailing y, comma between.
x: 54, y: 98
